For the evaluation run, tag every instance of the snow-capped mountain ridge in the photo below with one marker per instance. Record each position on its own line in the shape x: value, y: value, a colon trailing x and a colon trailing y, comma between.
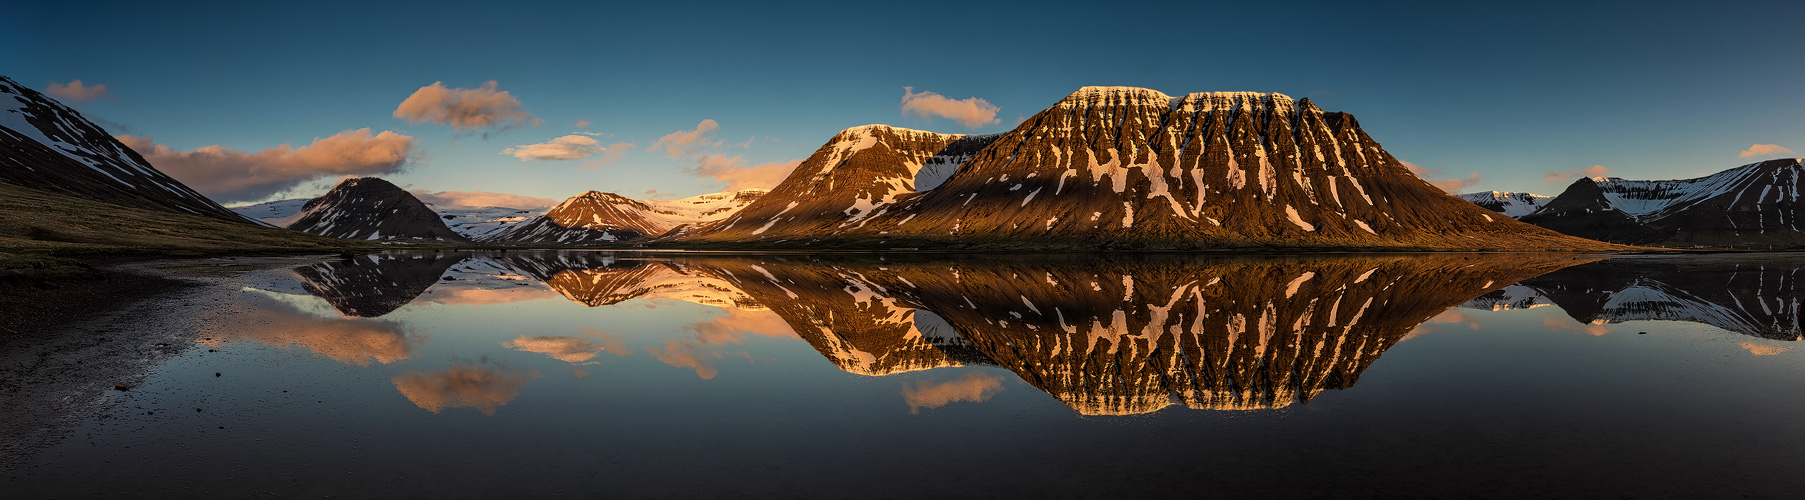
x: 1650, y: 200
x: 1754, y: 204
x: 50, y: 146
x: 1509, y: 203
x: 599, y: 217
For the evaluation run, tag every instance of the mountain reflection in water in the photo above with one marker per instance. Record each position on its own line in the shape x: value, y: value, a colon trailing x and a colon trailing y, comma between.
x: 1755, y: 295
x: 1104, y: 335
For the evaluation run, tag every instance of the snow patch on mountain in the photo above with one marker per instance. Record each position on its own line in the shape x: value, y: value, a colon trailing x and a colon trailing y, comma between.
x: 1509, y: 203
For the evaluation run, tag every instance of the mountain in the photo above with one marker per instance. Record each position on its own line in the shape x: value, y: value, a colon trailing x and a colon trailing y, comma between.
x: 479, y: 223
x: 1112, y: 335
x: 1128, y: 168
x: 1755, y: 294
x: 368, y: 208
x: 47, y: 146
x: 1509, y: 203
x: 278, y: 213
x: 861, y: 172
x: 374, y: 285
x: 1754, y: 204
x: 473, y: 223
x: 597, y: 217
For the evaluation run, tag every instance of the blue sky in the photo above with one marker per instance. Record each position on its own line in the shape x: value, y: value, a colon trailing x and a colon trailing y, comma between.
x: 1510, y: 91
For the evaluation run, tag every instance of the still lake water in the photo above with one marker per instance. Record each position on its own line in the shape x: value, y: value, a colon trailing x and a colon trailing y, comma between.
x: 604, y: 375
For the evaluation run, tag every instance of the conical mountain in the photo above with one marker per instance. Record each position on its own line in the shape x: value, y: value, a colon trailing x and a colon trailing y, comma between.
x: 1131, y: 168
x: 598, y: 217
x: 48, y: 146
x: 368, y: 208
x: 1754, y: 204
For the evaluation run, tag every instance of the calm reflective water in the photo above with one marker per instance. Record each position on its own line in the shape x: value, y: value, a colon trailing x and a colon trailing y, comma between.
x: 597, y: 374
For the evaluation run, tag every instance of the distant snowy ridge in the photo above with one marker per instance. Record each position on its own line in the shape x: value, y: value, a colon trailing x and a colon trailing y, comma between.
x: 1512, y: 204
x: 596, y: 217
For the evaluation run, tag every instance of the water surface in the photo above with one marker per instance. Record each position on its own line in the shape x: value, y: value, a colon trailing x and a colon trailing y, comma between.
x: 601, y: 374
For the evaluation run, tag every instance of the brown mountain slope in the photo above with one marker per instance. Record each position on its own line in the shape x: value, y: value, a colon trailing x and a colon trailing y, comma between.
x: 1129, y: 168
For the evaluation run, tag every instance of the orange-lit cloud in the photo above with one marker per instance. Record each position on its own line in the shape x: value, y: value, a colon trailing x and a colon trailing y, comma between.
x: 1448, y: 317
x: 733, y: 171
x: 974, y: 387
x: 1558, y: 325
x: 732, y: 327
x: 484, y: 108
x: 1753, y: 150
x: 687, y: 143
x: 75, y: 91
x: 1593, y: 171
x: 481, y: 199
x: 970, y: 112
x: 693, y: 355
x: 1764, y: 350
x: 1449, y: 185
x: 582, y: 124
x: 466, y: 385
x: 228, y: 175
x: 354, y: 341
x: 578, y: 350
x: 701, y: 353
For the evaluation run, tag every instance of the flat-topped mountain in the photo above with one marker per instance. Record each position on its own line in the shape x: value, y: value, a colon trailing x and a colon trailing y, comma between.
x: 1127, y: 168
x: 1754, y: 204
x: 1509, y: 203
x: 368, y: 208
x: 48, y: 146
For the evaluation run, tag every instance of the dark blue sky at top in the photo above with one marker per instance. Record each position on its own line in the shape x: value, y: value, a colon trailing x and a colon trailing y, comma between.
x: 1508, y: 90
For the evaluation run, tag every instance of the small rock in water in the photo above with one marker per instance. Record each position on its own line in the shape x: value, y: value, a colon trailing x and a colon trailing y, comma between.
x: 216, y: 374
x: 448, y: 278
x: 121, y: 387
x: 1641, y: 333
